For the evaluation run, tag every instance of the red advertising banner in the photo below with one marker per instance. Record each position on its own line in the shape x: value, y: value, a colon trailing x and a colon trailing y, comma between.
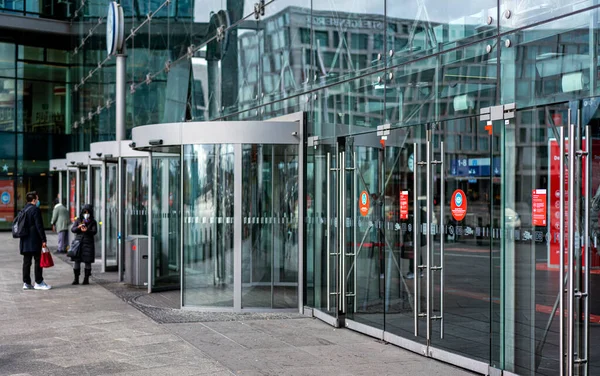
x: 7, y: 200
x: 403, y: 204
x: 538, y: 207
x: 554, y: 200
x: 72, y: 198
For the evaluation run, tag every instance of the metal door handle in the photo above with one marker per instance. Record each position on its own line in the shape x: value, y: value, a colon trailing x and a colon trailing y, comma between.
x: 571, y: 251
x: 587, y: 253
x: 442, y: 236
x: 416, y: 229
x: 328, y: 198
x: 561, y: 292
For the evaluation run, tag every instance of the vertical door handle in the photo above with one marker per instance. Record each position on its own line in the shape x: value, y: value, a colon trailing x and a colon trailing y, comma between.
x: 587, y: 253
x: 429, y: 199
x: 416, y: 230
x: 571, y: 197
x: 342, y: 250
x: 442, y: 236
x: 328, y: 229
x: 561, y: 286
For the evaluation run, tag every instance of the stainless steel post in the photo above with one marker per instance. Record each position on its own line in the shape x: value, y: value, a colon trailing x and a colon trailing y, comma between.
x: 587, y: 253
x: 342, y: 250
x: 355, y: 231
x: 103, y: 215
x: 120, y: 97
x: 328, y: 219
x: 429, y: 198
x: 149, y: 225
x: 416, y: 229
x: 571, y: 197
x: 442, y: 237
x: 561, y: 286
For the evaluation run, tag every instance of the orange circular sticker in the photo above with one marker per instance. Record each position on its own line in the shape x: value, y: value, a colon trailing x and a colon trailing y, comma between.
x: 363, y: 203
x: 458, y: 205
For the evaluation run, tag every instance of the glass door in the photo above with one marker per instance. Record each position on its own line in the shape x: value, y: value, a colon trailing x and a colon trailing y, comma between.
x: 166, y: 221
x: 111, y: 209
x: 322, y: 228
x: 550, y: 179
x: 440, y: 186
x: 367, y: 253
x: 462, y: 235
x: 96, y: 194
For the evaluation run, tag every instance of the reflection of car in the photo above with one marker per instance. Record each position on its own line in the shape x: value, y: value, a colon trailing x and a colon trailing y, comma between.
x: 511, y: 218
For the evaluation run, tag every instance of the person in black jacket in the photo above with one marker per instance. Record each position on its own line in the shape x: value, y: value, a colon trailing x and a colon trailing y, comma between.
x: 30, y: 246
x: 84, y: 228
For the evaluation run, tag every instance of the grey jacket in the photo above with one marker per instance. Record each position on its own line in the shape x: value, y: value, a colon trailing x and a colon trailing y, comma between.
x: 60, y: 218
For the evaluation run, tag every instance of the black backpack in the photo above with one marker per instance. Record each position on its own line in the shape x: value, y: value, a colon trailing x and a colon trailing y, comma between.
x: 19, y: 226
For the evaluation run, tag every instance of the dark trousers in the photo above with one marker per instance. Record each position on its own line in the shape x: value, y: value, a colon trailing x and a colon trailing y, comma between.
x: 27, y: 267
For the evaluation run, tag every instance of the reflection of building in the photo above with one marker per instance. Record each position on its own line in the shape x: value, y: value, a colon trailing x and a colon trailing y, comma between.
x: 350, y: 71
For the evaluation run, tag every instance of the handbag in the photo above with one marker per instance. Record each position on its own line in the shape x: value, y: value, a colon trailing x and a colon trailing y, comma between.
x: 75, y: 248
x: 46, y: 260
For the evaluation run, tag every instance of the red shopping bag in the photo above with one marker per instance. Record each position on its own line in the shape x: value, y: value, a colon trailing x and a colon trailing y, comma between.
x: 46, y: 260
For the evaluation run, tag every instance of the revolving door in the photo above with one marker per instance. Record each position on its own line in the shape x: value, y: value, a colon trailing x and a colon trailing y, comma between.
x: 234, y: 220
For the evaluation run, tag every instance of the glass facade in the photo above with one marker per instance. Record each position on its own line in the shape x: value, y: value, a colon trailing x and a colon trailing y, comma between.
x: 413, y: 109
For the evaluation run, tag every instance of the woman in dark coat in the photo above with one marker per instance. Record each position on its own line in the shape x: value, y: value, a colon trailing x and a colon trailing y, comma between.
x: 84, y: 228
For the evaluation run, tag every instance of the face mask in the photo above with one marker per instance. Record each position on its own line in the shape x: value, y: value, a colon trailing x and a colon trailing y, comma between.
x: 38, y: 203
x: 86, y: 216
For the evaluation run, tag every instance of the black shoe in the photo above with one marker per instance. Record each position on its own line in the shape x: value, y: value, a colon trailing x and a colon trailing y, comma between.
x: 76, y: 273
x: 86, y: 277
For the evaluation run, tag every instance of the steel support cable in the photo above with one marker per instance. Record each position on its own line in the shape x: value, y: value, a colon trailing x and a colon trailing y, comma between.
x: 192, y: 50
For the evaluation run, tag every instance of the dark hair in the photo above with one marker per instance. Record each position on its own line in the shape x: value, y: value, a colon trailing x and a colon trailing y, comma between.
x: 56, y: 201
x: 31, y: 196
x: 64, y: 201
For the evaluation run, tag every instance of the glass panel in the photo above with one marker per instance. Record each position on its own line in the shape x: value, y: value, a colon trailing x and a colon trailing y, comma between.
x: 7, y: 103
x: 166, y: 173
x: 111, y: 221
x: 365, y: 234
x: 7, y: 202
x: 41, y: 106
x: 258, y: 235
x: 135, y: 196
x: 418, y: 28
x: 470, y: 186
x: 270, y: 233
x: 285, y: 218
x: 208, y: 225
x: 532, y: 255
x: 516, y: 14
x: 552, y: 62
x: 345, y: 42
x: 97, y: 204
x: 401, y: 203
x: 285, y: 49
x: 72, y: 175
x: 321, y: 233
x: 83, y: 188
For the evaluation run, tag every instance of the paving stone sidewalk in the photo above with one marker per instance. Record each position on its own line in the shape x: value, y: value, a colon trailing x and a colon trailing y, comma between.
x: 87, y: 330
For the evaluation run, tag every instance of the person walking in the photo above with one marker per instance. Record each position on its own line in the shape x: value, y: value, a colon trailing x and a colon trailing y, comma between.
x: 84, y: 228
x: 30, y: 246
x: 60, y: 224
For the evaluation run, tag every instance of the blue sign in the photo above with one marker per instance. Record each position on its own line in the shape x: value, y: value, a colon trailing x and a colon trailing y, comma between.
x: 458, y: 199
x: 459, y: 167
x: 5, y: 198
